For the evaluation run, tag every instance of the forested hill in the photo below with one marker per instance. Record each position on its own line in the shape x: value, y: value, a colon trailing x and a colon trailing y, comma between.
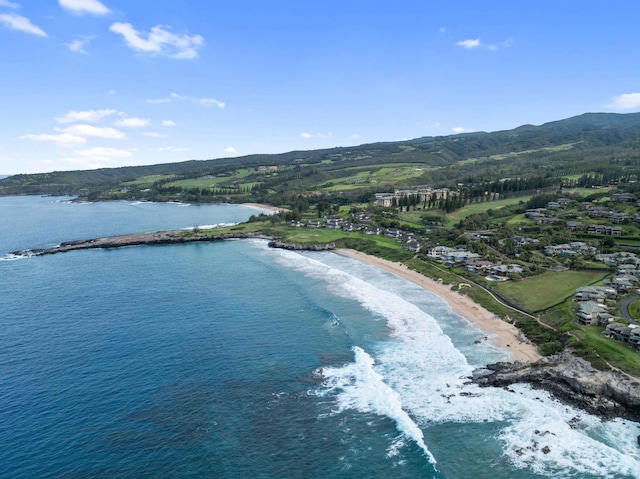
x: 574, y: 145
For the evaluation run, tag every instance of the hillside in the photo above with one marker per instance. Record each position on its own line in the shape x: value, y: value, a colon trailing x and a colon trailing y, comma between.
x: 593, y: 142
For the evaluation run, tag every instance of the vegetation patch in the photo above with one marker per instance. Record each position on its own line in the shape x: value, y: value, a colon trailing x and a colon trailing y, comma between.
x: 541, y: 292
x: 596, y: 348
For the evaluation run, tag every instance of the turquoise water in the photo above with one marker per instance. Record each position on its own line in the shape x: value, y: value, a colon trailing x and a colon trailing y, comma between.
x: 234, y: 360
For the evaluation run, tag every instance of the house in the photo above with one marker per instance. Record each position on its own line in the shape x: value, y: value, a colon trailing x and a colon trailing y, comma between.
x: 478, y: 266
x: 634, y: 337
x: 588, y: 293
x: 438, y: 252
x: 605, y: 230
x: 575, y: 226
x: 393, y: 233
x: 460, y: 256
x: 412, y: 245
x: 616, y: 258
x: 506, y: 269
x: 626, y: 269
x: 373, y: 230
x: 617, y: 331
x: 333, y: 222
x: 520, y: 241
x: 314, y: 224
x: 350, y: 227
x: 384, y: 199
x: 622, y: 197
x: 622, y: 283
x: 588, y: 312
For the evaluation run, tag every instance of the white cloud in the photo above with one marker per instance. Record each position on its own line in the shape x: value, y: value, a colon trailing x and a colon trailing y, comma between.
x: 626, y: 101
x: 171, y: 149
x: 153, y: 134
x: 133, y: 122
x: 159, y: 41
x: 231, y: 149
x: 211, y: 102
x: 103, y: 153
x: 8, y: 4
x: 159, y: 100
x: 317, y: 135
x: 475, y: 43
x: 91, y: 116
x: 355, y: 136
x: 20, y: 23
x: 99, y: 132
x: 78, y: 45
x: 80, y: 7
x: 63, y: 139
x: 169, y: 123
x: 98, y: 157
x: 459, y: 129
x: 208, y: 102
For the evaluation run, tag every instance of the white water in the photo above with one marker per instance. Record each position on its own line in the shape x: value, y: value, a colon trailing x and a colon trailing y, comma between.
x: 360, y: 387
x: 419, y: 378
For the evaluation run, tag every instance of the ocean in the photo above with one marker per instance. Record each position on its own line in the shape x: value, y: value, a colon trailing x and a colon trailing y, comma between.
x: 234, y: 360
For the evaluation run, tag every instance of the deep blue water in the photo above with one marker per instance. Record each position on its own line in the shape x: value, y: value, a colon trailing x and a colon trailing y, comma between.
x: 234, y: 360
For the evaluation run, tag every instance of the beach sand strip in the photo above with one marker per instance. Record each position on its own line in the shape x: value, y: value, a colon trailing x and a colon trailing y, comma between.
x: 501, y: 333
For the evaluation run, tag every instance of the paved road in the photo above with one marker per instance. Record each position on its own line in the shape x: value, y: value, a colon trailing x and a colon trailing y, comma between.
x: 624, y: 308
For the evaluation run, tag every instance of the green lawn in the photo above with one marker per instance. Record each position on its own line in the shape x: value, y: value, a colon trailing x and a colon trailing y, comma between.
x: 634, y: 309
x: 213, y: 182
x: 545, y: 290
x: 387, y: 175
x: 620, y: 355
x: 476, y: 208
x: 146, y: 180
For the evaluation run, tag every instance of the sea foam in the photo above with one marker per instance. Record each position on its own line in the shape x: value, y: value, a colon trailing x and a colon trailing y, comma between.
x: 361, y: 388
x: 420, y: 379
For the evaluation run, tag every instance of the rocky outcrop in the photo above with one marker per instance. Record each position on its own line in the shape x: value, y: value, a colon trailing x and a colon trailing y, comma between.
x: 573, y: 380
x: 166, y: 237
x: 157, y: 238
x: 301, y: 247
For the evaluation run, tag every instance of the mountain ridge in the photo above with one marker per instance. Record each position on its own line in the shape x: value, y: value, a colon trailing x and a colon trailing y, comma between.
x: 581, y: 137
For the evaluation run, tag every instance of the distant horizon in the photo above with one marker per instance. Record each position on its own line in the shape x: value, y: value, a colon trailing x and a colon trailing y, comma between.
x: 2, y: 176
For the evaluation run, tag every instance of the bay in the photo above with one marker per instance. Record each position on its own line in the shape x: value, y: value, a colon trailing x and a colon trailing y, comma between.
x: 234, y: 360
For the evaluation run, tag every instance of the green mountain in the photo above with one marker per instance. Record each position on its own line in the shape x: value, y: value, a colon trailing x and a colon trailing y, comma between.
x: 589, y: 143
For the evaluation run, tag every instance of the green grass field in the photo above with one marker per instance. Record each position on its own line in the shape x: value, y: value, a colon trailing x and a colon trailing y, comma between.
x: 214, y: 182
x: 387, y: 175
x: 543, y: 291
x: 476, y: 208
x: 620, y: 355
x: 147, y: 180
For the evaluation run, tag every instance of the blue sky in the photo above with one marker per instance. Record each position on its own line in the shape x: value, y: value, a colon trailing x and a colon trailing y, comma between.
x: 106, y: 83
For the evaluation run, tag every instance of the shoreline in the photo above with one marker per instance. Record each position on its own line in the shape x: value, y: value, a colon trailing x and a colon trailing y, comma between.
x: 262, y: 206
x: 502, y: 334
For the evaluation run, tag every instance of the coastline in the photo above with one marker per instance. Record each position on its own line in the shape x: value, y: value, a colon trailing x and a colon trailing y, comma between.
x: 264, y: 207
x: 502, y: 334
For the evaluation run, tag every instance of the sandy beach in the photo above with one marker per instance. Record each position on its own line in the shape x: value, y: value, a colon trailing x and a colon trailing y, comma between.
x: 265, y: 207
x: 501, y: 333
